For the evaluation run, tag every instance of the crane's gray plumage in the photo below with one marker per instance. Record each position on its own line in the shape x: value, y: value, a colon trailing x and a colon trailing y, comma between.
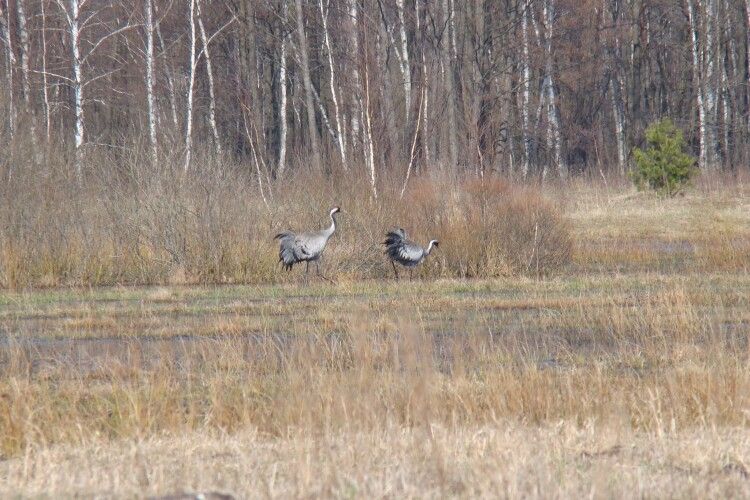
x: 400, y: 249
x: 304, y: 247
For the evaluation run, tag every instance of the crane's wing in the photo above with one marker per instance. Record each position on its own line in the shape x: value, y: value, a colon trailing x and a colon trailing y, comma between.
x: 292, y: 248
x: 400, y: 249
x: 410, y: 252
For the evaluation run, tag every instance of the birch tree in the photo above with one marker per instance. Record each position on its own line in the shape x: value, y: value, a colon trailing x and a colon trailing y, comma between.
x: 616, y: 89
x: 209, y: 71
x: 282, y: 93
x: 526, y: 90
x: 341, y: 138
x: 191, y: 85
x: 149, y: 17
x: 307, y: 82
x: 554, y: 138
x: 80, y: 16
x: 10, y: 62
x: 698, y: 86
x: 447, y: 63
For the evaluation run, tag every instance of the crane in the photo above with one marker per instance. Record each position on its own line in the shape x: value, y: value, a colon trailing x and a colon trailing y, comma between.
x: 305, y: 247
x: 409, y: 254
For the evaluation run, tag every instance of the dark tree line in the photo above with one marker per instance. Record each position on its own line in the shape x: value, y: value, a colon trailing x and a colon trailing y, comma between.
x: 376, y: 88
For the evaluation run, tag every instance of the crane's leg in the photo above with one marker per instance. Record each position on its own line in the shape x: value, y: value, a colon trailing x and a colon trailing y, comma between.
x: 411, y: 274
x: 395, y: 271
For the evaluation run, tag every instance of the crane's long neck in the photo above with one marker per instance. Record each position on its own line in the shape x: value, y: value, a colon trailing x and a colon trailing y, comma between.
x: 332, y: 227
x: 429, y: 247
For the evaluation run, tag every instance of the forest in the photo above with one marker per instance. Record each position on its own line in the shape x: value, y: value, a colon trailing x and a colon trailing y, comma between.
x: 379, y: 90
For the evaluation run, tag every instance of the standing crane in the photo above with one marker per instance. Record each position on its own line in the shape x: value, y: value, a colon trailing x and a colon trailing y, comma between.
x: 305, y: 247
x: 407, y: 253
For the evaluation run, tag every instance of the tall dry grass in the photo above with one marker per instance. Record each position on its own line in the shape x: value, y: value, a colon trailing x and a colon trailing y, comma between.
x: 668, y: 356
x: 136, y: 224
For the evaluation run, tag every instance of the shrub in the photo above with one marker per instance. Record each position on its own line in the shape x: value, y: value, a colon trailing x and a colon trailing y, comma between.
x: 663, y: 166
x: 154, y: 225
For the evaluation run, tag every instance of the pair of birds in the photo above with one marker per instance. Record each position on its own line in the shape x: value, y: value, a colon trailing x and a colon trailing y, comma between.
x: 308, y: 247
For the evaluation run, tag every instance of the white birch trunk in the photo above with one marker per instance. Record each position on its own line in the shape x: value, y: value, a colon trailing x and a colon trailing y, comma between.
x: 10, y: 62
x: 45, y: 86
x: 616, y: 94
x: 448, y: 54
x: 405, y: 64
x: 356, y: 111
x: 710, y: 83
x: 170, y: 80
x: 341, y: 139
x: 282, y: 98
x: 75, y: 40
x: 554, y: 138
x: 23, y: 35
x: 307, y: 82
x: 209, y: 71
x: 189, y: 110
x: 726, y: 106
x: 370, y: 150
x: 148, y: 4
x: 426, y: 94
x: 698, y: 86
x: 747, y: 51
x: 526, y: 97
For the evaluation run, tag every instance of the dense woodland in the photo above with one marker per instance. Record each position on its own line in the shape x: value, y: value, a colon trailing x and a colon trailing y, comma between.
x: 374, y: 89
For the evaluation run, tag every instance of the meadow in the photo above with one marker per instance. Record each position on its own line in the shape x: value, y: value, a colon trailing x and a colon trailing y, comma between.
x: 570, y: 340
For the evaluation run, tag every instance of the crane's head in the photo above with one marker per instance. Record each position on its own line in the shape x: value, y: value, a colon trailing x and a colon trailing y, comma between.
x: 433, y: 243
x: 334, y: 211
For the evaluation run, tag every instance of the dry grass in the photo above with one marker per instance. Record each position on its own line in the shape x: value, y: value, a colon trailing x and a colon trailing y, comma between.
x: 139, y: 226
x: 497, y: 460
x: 622, y: 374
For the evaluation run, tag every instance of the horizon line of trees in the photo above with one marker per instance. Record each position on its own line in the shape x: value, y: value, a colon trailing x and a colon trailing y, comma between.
x: 376, y: 88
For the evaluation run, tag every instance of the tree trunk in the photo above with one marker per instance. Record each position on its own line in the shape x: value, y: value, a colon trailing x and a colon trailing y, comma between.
x: 616, y: 91
x: 210, y: 72
x: 149, y: 7
x: 191, y: 85
x: 280, y: 169
x: 309, y: 99
x: 526, y: 95
x: 405, y: 64
x: 10, y: 62
x: 710, y: 82
x: 75, y: 40
x: 45, y: 87
x: 554, y: 138
x: 448, y: 57
x: 170, y: 80
x: 341, y: 138
x: 698, y: 86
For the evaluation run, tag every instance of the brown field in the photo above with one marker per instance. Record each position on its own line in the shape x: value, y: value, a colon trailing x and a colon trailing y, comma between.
x: 614, y: 367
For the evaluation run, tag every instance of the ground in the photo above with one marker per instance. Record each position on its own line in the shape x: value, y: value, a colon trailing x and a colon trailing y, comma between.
x: 625, y: 375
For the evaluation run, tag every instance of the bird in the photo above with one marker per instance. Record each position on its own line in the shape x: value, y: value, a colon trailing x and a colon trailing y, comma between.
x: 400, y: 249
x: 305, y: 247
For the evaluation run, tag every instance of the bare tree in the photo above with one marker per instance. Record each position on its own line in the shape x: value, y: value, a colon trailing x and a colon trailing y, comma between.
x: 282, y: 93
x: 554, y: 138
x: 10, y: 62
x: 698, y: 86
x: 149, y: 16
x: 526, y: 85
x: 209, y: 70
x: 81, y: 16
x: 307, y: 82
x: 191, y: 85
x: 341, y: 138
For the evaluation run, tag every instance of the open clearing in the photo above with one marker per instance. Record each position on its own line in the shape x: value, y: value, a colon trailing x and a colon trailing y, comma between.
x: 625, y: 375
